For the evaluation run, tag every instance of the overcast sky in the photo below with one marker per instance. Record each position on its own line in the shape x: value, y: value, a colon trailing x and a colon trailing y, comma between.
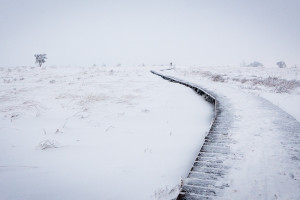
x: 187, y: 32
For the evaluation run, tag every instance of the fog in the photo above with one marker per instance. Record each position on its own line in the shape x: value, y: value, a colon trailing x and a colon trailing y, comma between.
x: 152, y: 32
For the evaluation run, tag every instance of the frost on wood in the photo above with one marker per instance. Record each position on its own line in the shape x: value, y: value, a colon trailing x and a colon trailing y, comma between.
x: 47, y: 144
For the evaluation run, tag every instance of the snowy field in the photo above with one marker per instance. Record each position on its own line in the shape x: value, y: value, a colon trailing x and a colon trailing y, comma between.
x: 96, y: 133
x: 114, y: 132
x: 280, y: 86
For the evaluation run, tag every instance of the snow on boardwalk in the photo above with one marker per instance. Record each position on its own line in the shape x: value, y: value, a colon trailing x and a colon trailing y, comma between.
x: 251, y: 152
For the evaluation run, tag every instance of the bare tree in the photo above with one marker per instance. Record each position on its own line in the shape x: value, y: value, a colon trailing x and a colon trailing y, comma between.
x: 40, y: 58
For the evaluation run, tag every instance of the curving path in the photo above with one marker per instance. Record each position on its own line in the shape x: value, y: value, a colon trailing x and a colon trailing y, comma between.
x: 252, y: 150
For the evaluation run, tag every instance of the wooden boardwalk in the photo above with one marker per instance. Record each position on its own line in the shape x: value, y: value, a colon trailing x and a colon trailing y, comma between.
x: 222, y: 162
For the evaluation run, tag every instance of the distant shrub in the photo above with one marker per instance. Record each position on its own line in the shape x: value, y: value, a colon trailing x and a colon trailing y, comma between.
x: 48, y: 144
x: 281, y: 64
x: 279, y: 85
x: 217, y: 78
x: 255, y: 64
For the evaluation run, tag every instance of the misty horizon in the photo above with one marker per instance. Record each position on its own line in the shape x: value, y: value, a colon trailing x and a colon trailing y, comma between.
x: 152, y: 33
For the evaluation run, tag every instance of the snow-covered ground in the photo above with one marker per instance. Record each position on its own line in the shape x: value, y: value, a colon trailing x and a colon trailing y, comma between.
x: 96, y: 133
x: 119, y: 132
x: 263, y: 161
x: 280, y: 86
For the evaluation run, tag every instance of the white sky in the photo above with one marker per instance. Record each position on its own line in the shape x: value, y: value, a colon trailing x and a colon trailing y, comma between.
x: 187, y: 32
